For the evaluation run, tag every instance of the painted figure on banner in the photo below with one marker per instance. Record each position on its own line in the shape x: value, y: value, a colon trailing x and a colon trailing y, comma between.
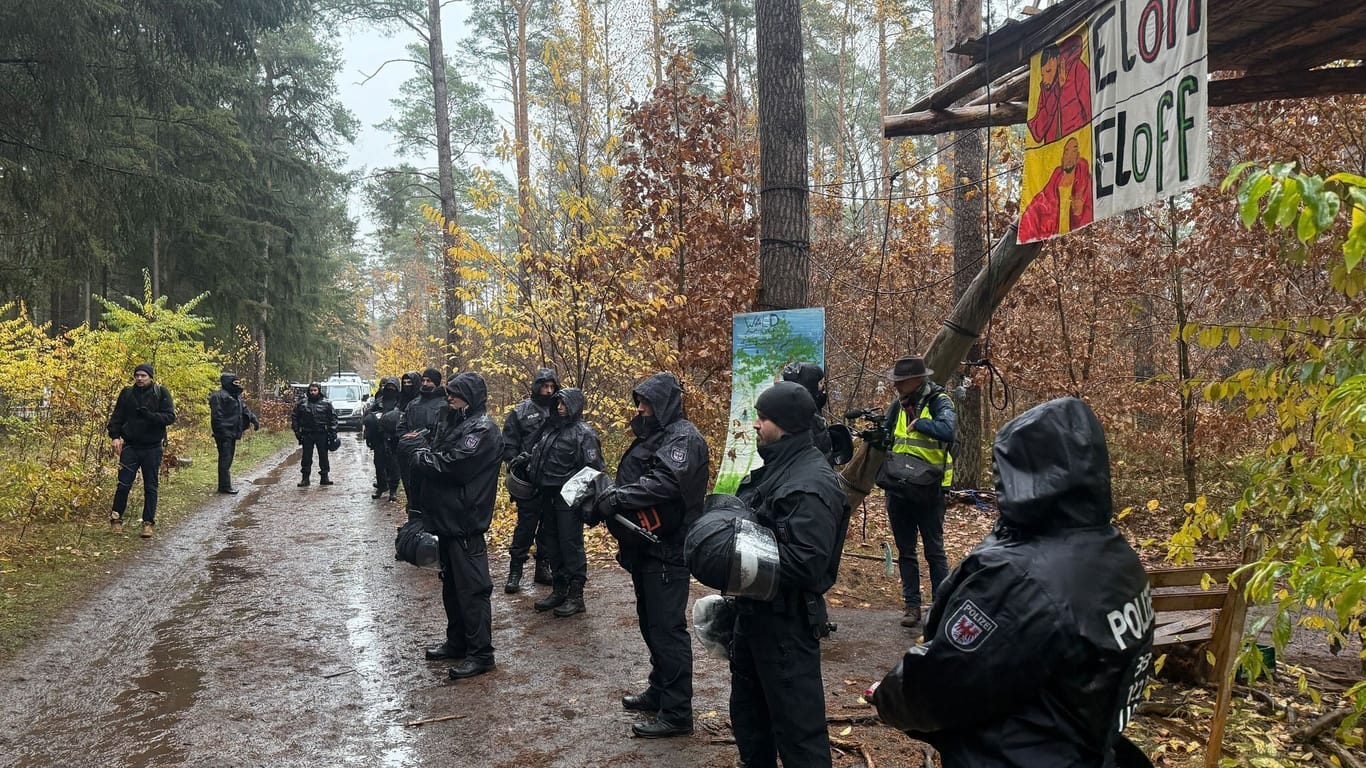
x: 1063, y: 105
x: 1065, y: 202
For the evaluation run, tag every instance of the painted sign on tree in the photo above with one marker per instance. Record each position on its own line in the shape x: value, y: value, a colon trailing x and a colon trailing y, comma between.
x: 1117, y: 115
x: 761, y: 344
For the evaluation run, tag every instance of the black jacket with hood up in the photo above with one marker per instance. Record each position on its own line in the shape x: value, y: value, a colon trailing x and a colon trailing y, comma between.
x: 662, y: 477
x: 567, y: 444
x: 383, y: 404
x: 460, y: 464
x: 229, y: 416
x: 524, y: 421
x: 1037, y: 651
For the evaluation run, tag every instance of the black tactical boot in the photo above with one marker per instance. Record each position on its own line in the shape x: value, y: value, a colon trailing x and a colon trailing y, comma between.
x: 543, y: 574
x: 322, y: 479
x: 573, y: 601
x: 514, y: 582
x: 555, y: 599
x: 304, y: 482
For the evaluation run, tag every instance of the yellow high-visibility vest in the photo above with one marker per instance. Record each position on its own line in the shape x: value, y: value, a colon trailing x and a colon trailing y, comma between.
x: 922, y: 445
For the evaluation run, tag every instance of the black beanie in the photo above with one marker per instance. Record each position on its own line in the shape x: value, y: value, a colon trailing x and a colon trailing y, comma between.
x: 433, y: 374
x: 788, y: 405
x: 147, y: 368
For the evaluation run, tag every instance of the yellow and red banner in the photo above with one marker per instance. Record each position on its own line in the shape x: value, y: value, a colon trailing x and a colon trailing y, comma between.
x: 1118, y: 115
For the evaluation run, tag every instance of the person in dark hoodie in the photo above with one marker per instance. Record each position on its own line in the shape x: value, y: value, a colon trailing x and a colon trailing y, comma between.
x: 384, y: 402
x: 520, y: 431
x: 777, y: 702
x: 420, y: 416
x: 660, y: 485
x: 314, y: 422
x: 459, y: 480
x: 408, y: 387
x: 229, y: 418
x: 567, y: 445
x: 812, y: 377
x: 137, y: 431
x: 1038, y: 649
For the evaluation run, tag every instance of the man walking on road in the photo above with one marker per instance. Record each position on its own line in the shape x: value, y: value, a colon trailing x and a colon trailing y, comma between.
x: 520, y: 431
x: 137, y: 428
x: 229, y: 418
x: 915, y: 473
x: 661, y: 482
x: 315, y: 424
x: 458, y: 472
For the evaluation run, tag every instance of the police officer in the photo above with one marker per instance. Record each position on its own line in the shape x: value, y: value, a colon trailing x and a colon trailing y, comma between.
x: 1038, y: 649
x: 314, y: 422
x: 459, y: 480
x: 567, y: 445
x: 409, y: 385
x: 229, y: 418
x: 661, y: 481
x: 377, y: 440
x: 922, y: 422
x: 414, y: 428
x: 520, y: 431
x: 777, y: 701
x: 812, y: 377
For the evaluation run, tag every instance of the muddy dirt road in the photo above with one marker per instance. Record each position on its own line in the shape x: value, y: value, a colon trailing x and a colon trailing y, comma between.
x: 274, y: 628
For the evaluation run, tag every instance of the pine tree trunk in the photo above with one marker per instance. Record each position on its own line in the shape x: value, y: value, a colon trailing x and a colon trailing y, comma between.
x: 450, y: 283
x: 522, y: 135
x: 784, y: 224
x: 963, y: 20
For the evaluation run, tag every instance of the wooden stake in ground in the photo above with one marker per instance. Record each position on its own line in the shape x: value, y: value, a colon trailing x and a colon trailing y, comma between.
x: 443, y: 718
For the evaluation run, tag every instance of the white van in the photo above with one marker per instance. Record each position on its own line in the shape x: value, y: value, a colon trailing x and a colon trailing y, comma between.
x: 348, y: 394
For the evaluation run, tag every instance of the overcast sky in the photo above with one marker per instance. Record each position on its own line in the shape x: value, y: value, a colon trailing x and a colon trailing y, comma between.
x: 364, y: 50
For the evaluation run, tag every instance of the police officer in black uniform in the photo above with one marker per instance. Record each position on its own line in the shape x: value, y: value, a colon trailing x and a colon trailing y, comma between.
x: 777, y: 701
x: 520, y: 431
x: 384, y: 402
x: 1039, y: 648
x: 661, y: 482
x: 314, y: 422
x: 418, y: 420
x: 812, y: 377
x: 567, y: 445
x: 459, y: 480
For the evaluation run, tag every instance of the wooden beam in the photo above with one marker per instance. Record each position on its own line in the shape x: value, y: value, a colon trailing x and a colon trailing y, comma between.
x: 1000, y: 272
x: 1189, y: 577
x: 956, y: 119
x: 1222, y: 93
x: 1270, y: 44
x: 1286, y: 85
x: 958, y: 86
x: 1012, y: 88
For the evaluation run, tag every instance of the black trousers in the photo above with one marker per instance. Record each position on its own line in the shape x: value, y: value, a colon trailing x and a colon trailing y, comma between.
x: 564, y: 534
x: 661, y: 605
x: 310, y: 442
x: 465, y: 591
x: 529, y: 528
x: 386, y: 468
x: 227, y: 451
x: 132, y: 460
x: 777, y: 700
x: 919, y: 510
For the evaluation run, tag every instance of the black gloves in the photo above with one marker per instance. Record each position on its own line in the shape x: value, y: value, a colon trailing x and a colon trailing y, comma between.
x: 604, y: 507
x: 520, y: 460
x: 255, y: 423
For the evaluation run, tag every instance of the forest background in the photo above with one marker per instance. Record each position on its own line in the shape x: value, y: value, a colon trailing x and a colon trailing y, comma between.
x: 582, y: 192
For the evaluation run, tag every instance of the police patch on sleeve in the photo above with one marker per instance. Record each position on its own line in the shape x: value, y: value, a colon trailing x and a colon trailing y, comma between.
x: 968, y: 627
x: 678, y: 456
x: 591, y: 453
x: 470, y: 442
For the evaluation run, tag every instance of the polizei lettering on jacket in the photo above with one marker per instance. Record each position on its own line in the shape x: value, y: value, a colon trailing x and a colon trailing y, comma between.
x: 1130, y: 622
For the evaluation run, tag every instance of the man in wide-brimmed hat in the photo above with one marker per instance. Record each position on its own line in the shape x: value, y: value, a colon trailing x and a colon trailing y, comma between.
x: 918, y: 467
